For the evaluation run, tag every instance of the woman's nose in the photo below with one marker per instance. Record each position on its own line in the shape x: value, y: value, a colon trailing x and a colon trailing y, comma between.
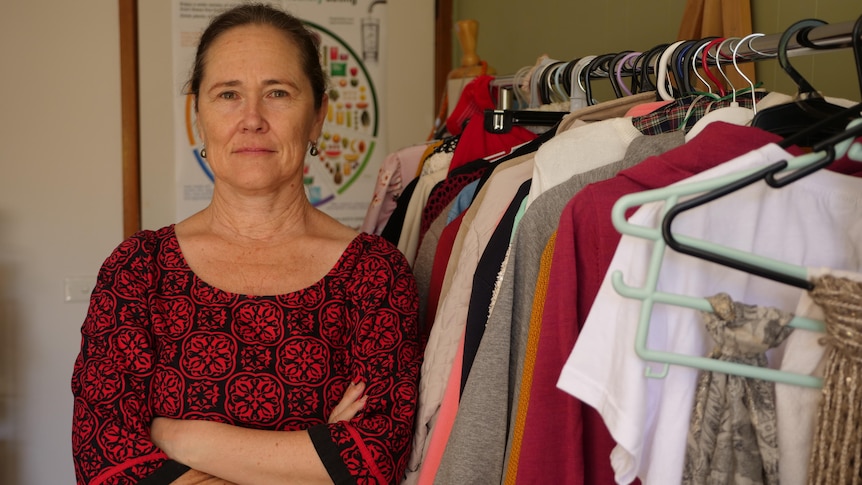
x: 253, y: 117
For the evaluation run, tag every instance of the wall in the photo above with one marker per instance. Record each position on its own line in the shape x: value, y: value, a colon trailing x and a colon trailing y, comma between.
x: 60, y: 214
x: 509, y: 39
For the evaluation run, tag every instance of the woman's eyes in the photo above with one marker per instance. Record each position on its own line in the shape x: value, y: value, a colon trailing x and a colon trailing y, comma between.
x: 276, y: 93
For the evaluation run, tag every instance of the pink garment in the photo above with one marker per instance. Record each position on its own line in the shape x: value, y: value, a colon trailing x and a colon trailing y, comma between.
x: 445, y: 420
x: 396, y: 171
x: 646, y: 108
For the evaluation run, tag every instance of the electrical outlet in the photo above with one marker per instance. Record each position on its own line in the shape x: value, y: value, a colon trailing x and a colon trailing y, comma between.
x: 78, y: 288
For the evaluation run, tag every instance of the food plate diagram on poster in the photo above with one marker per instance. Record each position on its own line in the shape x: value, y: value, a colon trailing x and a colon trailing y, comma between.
x: 351, y: 126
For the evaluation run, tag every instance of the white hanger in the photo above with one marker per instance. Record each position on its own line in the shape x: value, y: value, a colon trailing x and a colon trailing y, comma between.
x: 662, y: 82
x: 694, y: 68
x: 734, y: 113
x: 578, y: 98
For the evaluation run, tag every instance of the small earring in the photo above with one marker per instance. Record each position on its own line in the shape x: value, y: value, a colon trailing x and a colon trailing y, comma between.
x: 204, y: 152
x: 313, y: 151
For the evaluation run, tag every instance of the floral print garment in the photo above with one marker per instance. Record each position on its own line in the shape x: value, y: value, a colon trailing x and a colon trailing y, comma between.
x: 158, y: 341
x: 733, y: 434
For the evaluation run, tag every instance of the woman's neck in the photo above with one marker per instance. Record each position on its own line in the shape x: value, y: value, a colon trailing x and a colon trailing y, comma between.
x: 264, y: 219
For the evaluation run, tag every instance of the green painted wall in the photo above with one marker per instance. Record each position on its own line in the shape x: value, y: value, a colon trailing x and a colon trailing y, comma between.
x: 514, y: 33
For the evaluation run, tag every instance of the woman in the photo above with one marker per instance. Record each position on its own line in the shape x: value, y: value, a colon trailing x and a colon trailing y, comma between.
x: 258, y: 341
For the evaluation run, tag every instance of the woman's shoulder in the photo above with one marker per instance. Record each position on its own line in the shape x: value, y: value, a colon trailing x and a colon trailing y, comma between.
x: 372, y: 250
x: 372, y: 244
x: 152, y: 235
x: 144, y: 243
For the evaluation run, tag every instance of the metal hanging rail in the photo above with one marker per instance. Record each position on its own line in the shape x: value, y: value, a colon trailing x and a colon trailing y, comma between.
x: 829, y: 36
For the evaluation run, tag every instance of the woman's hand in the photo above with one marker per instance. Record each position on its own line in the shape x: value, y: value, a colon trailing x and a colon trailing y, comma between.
x: 194, y: 477
x: 351, y: 403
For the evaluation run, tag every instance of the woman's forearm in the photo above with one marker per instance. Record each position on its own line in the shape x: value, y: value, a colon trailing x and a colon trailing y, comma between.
x: 241, y: 455
x: 195, y: 477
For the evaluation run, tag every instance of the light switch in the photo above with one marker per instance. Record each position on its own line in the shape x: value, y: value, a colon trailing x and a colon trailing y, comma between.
x: 78, y: 288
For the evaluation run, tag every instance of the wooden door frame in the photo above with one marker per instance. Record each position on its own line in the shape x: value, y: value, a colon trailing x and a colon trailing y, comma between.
x: 130, y: 116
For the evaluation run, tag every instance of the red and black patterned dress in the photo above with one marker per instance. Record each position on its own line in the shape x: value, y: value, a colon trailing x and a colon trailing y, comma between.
x: 158, y: 341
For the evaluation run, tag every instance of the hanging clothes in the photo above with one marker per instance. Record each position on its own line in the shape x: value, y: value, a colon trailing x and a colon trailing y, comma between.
x: 796, y: 407
x: 732, y: 437
x: 495, y: 376
x: 449, y: 321
x: 515, y: 286
x: 837, y: 451
x: 825, y: 226
x: 396, y: 171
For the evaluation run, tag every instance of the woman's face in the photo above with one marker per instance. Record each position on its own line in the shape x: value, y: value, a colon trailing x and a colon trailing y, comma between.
x: 256, y: 111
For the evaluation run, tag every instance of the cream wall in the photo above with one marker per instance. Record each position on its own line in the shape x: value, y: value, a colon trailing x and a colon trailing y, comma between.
x: 60, y: 189
x: 509, y: 38
x: 60, y: 214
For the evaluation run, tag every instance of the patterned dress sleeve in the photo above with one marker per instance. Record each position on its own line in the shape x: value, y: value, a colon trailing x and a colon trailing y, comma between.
x: 374, y: 446
x: 110, y: 381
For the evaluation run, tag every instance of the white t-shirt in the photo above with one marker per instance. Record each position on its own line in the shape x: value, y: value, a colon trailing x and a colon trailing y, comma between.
x: 815, y: 221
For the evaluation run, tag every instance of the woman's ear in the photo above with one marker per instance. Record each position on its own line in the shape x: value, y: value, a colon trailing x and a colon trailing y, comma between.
x: 320, y: 118
x: 196, y: 124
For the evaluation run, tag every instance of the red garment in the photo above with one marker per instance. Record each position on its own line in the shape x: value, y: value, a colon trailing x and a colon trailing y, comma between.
x: 477, y: 143
x: 474, y: 99
x: 158, y: 341
x: 438, y: 271
x: 586, y: 242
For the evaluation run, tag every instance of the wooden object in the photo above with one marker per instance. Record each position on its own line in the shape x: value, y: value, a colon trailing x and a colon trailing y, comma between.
x: 468, y: 38
x: 130, y: 116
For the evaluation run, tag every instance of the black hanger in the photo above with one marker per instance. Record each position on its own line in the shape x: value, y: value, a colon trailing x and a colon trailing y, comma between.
x: 682, y: 69
x: 545, y: 81
x: 809, y: 107
x: 646, y: 60
x: 598, y: 67
x: 767, y: 174
x: 857, y: 49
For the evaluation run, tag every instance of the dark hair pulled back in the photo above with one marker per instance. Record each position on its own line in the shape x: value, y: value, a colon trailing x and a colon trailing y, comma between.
x: 262, y: 14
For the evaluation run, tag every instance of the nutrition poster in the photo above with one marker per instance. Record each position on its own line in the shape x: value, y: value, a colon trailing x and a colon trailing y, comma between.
x: 340, y: 179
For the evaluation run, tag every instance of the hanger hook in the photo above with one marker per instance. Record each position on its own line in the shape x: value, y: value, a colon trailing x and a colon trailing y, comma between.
x: 705, y: 64
x: 718, y: 55
x: 798, y: 28
x: 736, y: 65
x: 649, y: 56
x: 663, y: 84
x: 857, y: 49
x: 694, y: 68
x: 625, y: 62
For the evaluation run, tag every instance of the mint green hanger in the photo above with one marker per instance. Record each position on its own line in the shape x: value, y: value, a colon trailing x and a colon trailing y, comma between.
x: 650, y: 296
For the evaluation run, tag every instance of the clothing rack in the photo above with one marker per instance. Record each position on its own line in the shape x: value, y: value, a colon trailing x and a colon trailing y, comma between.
x: 806, y: 41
